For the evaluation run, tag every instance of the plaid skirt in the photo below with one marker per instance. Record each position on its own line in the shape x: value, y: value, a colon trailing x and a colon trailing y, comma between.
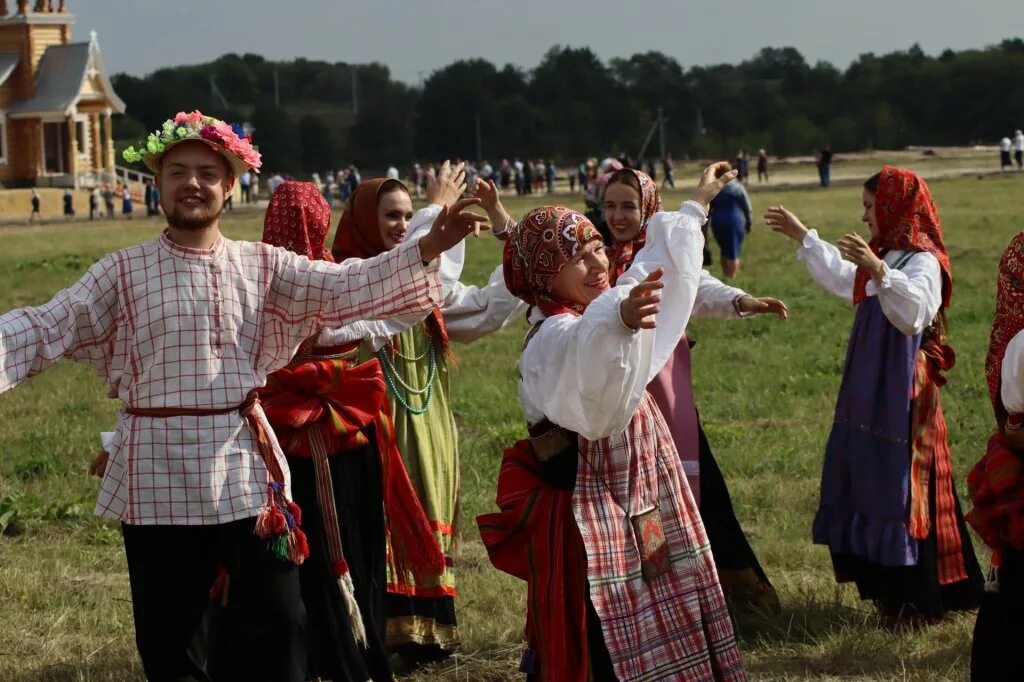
x: 674, y: 626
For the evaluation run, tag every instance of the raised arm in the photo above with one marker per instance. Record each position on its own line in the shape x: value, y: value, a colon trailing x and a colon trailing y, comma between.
x: 307, y: 295
x: 823, y: 260
x: 910, y: 294
x: 472, y: 312
x: 588, y: 373
x: 79, y: 323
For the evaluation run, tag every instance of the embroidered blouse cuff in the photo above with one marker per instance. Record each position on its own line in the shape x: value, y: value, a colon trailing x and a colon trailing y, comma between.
x: 502, y: 234
x: 885, y: 282
x: 736, y: 306
x: 1015, y: 422
x: 696, y: 210
x: 622, y: 322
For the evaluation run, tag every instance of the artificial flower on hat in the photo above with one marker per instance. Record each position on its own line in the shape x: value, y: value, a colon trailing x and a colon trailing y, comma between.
x: 228, y: 139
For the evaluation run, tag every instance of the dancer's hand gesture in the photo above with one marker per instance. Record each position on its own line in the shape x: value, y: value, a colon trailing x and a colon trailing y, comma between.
x: 638, y: 311
x: 854, y: 249
x: 749, y: 306
x: 785, y: 222
x: 448, y: 185
x: 712, y: 180
x: 451, y: 226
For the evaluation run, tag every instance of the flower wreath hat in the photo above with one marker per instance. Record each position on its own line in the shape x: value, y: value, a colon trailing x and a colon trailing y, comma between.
x: 228, y: 139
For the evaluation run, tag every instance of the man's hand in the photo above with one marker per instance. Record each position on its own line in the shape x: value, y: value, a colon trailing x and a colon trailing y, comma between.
x: 452, y: 225
x: 712, y: 180
x: 99, y: 465
x: 638, y: 311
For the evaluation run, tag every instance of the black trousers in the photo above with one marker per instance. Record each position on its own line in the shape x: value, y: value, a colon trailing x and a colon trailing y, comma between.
x: 258, y: 635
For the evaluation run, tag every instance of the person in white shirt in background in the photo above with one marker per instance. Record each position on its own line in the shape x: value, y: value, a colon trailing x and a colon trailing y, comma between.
x: 392, y: 173
x: 1005, y: 161
x: 1018, y: 149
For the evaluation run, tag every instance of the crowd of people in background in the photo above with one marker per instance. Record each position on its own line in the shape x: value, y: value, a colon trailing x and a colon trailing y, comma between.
x: 1011, y: 151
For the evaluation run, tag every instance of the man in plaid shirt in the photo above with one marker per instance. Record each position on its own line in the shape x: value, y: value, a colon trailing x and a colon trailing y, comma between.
x: 182, y: 329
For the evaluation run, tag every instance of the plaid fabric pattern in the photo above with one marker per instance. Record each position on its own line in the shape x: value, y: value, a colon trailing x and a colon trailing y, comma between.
x: 173, y: 327
x: 675, y: 626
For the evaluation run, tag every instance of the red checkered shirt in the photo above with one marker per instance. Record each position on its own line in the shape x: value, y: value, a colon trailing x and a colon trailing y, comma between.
x: 173, y: 327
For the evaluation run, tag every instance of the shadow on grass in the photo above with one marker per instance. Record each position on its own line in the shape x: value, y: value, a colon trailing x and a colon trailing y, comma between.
x: 106, y: 670
x: 814, y: 638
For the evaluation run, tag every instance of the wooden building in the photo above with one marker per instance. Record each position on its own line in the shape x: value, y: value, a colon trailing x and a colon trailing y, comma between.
x: 56, y: 101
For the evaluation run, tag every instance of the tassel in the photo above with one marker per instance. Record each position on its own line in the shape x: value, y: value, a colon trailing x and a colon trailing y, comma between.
x: 992, y: 584
x: 263, y: 529
x: 296, y: 512
x: 279, y: 547
x: 298, y: 547
x: 348, y: 595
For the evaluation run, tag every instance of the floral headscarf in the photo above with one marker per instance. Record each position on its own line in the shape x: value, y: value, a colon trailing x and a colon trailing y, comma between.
x: 650, y: 203
x: 907, y: 221
x: 298, y: 218
x: 1009, y: 317
x: 536, y: 251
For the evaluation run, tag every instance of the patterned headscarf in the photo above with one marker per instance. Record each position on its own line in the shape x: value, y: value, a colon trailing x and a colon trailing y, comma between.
x: 907, y: 221
x: 358, y: 236
x: 536, y: 251
x: 298, y: 218
x: 650, y: 203
x: 1009, y: 318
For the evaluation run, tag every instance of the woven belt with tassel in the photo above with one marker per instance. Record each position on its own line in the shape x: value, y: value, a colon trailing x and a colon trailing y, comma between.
x: 279, y: 519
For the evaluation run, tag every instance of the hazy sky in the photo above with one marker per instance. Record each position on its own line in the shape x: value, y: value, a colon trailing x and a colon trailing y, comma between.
x: 414, y: 37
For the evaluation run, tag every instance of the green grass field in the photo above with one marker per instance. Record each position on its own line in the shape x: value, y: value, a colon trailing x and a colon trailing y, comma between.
x: 766, y: 390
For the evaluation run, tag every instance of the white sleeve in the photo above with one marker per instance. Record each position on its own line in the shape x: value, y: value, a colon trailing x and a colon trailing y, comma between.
x: 373, y: 332
x: 588, y: 373
x: 557, y: 369
x: 674, y: 243
x: 473, y: 312
x: 1012, y: 388
x: 827, y: 266
x: 715, y: 298
x: 452, y: 260
x: 911, y: 297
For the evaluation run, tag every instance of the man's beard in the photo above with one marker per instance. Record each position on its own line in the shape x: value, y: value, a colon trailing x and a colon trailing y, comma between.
x: 194, y: 221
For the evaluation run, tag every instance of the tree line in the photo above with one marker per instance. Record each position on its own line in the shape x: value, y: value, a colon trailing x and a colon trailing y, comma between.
x: 313, y: 115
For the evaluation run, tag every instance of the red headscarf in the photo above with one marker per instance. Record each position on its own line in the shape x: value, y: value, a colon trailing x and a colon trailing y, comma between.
x: 1009, y: 318
x: 358, y: 233
x: 536, y: 251
x: 298, y: 218
x: 907, y: 221
x: 358, y: 236
x: 650, y: 203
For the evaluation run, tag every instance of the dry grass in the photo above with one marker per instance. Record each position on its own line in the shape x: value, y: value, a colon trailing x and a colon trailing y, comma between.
x: 765, y: 389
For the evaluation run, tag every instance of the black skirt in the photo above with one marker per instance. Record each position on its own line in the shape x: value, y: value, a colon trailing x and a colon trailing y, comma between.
x: 1000, y: 627
x: 729, y: 544
x: 914, y: 591
x: 333, y: 651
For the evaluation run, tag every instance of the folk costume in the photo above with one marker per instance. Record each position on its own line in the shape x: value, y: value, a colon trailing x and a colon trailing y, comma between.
x: 672, y: 389
x: 596, y: 514
x: 415, y: 356
x: 183, y: 337
x: 888, y: 512
x: 331, y: 417
x: 996, y: 484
